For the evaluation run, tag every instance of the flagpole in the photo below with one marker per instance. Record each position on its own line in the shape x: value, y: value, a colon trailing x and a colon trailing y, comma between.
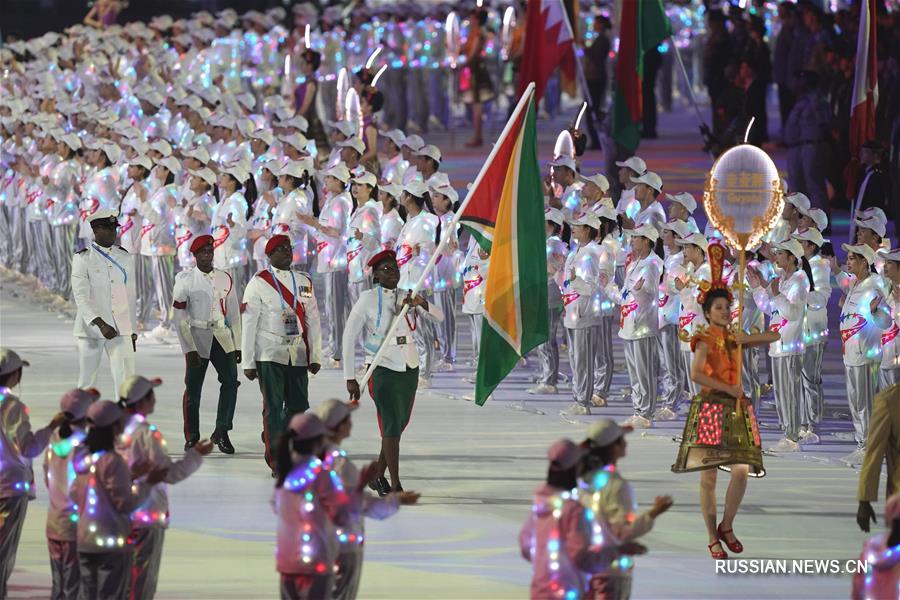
x: 704, y: 128
x: 445, y: 238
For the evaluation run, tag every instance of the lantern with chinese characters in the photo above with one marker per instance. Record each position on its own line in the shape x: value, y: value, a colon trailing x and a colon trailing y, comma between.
x: 743, y: 196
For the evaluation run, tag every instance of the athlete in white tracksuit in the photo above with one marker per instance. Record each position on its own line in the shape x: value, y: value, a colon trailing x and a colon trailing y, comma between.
x: 548, y: 352
x: 39, y: 240
x: 694, y: 270
x: 784, y: 300
x: 889, y: 374
x: 415, y: 245
x: 364, y: 235
x: 295, y: 198
x: 610, y: 243
x: 581, y: 314
x: 62, y: 212
x: 475, y: 272
x: 131, y: 223
x: 639, y: 323
x: 672, y: 375
x: 447, y: 279
x: 158, y: 246
x: 331, y: 247
x: 815, y: 334
x: 193, y: 215
x: 861, y: 328
x: 229, y: 228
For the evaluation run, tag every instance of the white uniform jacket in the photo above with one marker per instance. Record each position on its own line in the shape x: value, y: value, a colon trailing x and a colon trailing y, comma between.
x: 103, y: 285
x: 206, y: 307
x: 372, y: 315
x: 639, y: 308
x: 272, y: 331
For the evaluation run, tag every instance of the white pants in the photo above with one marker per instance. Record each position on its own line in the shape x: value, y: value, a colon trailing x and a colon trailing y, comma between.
x: 548, y: 352
x: 788, y: 393
x: 603, y: 357
x: 446, y: 329
x: 750, y: 375
x: 887, y: 378
x: 63, y: 237
x: 475, y: 325
x: 640, y: 358
x: 687, y: 358
x: 813, y: 400
x: 671, y: 372
x: 425, y: 337
x: 337, y: 309
x: 582, y: 347
x: 121, y: 360
x: 861, y: 385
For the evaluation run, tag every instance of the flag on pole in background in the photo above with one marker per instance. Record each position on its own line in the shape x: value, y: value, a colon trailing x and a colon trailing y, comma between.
x: 865, y: 80
x: 505, y: 212
x: 643, y: 24
x: 548, y: 45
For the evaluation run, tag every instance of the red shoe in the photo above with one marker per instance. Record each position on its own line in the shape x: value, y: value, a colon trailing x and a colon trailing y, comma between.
x: 735, y: 546
x: 720, y: 555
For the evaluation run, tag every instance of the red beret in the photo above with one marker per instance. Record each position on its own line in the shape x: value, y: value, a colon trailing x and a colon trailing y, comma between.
x: 381, y: 256
x: 275, y: 241
x: 200, y: 241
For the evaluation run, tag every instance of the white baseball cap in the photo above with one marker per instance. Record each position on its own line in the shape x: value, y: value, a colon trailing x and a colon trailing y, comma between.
x: 564, y: 161
x: 366, y: 178
x: 339, y: 172
x: 681, y: 228
x: 415, y: 188
x: 161, y: 146
x: 865, y: 251
x: 103, y: 213
x: 345, y: 127
x: 396, y: 136
x: 142, y: 161
x: 199, y: 153
x: 686, y: 199
x: 646, y: 230
x: 205, y: 174
x: 296, y: 139
x: 171, y: 163
x: 872, y: 223
x: 295, y: 168
x: 694, y: 239
x: 445, y: 189
x: 604, y: 210
x: 809, y: 234
x: 606, y: 431
x: 431, y: 151
x: 818, y: 217
x: 599, y: 180
x: 306, y: 426
x: 10, y: 361
x: 792, y: 246
x: 264, y: 135
x: 413, y: 142
x: 635, y: 163
x: 565, y: 454
x: 554, y: 215
x: 391, y: 189
x: 135, y: 387
x: 650, y: 178
x: 586, y: 218
x: 332, y: 412
x: 872, y: 213
x: 355, y: 143
x: 799, y: 200
x: 893, y: 254
x: 75, y: 402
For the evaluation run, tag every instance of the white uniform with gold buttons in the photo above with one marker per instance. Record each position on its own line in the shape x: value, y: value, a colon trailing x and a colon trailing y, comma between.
x: 103, y: 286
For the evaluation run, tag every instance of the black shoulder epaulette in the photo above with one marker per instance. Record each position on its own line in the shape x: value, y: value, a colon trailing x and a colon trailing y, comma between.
x: 82, y: 251
x: 122, y: 249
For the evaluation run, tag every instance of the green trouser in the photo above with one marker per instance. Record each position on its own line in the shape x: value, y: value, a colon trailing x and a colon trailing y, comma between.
x: 225, y: 365
x: 285, y: 392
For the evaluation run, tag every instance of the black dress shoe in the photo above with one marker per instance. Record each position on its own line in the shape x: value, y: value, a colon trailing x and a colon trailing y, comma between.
x: 381, y: 486
x: 220, y: 439
x: 190, y: 444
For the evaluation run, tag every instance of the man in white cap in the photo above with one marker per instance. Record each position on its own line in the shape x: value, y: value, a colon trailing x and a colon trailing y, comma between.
x: 103, y: 288
x: 861, y: 327
x: 18, y: 445
x: 142, y: 444
x: 628, y: 169
x: 411, y: 145
x: 351, y: 152
x: 794, y: 204
x: 639, y: 323
x: 564, y: 175
x: 395, y: 166
x: 682, y: 207
x: 647, y: 189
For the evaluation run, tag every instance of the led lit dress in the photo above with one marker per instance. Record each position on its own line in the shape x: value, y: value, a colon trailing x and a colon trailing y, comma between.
x: 720, y: 430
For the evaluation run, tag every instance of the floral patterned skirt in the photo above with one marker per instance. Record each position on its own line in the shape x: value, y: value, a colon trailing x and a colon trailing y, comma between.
x: 717, y: 435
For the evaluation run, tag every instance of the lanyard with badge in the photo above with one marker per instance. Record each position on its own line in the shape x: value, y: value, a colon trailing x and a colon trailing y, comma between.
x: 113, y: 261
x: 288, y: 316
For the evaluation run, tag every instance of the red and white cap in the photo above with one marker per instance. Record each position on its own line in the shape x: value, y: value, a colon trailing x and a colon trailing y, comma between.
x: 104, y: 413
x: 75, y: 402
x: 136, y: 387
x: 275, y: 241
x: 306, y: 426
x: 565, y: 454
x: 201, y: 241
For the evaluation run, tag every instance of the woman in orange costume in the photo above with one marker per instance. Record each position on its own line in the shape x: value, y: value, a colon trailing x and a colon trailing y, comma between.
x: 720, y: 431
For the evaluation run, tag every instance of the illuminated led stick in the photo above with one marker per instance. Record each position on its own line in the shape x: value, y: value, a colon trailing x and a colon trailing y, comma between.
x: 343, y: 84
x: 743, y: 198
x: 580, y: 114
x: 306, y: 37
x: 378, y: 75
x: 372, y: 57
x: 509, y: 24
x: 352, y: 111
